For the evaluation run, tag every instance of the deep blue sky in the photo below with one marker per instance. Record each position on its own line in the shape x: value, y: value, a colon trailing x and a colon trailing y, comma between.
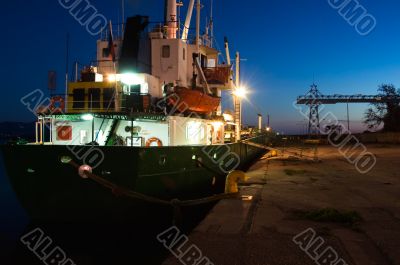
x: 285, y: 44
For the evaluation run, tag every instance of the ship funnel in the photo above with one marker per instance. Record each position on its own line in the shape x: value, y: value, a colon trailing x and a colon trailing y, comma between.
x: 171, y: 21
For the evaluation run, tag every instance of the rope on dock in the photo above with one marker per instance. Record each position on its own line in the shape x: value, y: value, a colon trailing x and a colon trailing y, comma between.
x: 176, y: 204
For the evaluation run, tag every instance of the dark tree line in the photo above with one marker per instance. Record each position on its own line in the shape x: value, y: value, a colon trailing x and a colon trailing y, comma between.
x: 387, y: 113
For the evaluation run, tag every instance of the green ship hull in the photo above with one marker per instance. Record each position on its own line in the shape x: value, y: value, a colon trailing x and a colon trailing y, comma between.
x: 51, y: 190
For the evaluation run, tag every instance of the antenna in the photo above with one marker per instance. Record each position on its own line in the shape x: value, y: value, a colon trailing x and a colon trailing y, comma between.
x: 66, y: 65
x: 212, y: 24
x: 198, y: 17
x: 207, y: 27
x: 123, y: 16
x: 52, y: 80
x: 179, y: 5
x: 119, y: 25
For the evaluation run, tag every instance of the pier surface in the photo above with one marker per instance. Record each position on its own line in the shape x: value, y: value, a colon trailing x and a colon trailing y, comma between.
x: 356, y: 216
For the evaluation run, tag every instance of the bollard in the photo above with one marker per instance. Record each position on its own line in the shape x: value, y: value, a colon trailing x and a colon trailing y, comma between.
x: 231, y: 185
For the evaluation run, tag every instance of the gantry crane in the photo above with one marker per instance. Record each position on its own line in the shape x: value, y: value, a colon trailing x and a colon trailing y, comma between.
x: 314, y: 98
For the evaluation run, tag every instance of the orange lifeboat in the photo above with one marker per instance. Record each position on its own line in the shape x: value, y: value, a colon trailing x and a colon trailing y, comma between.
x: 190, y: 100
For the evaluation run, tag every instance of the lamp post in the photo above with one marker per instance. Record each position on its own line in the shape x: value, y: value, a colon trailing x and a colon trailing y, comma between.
x: 236, y: 100
x: 238, y: 94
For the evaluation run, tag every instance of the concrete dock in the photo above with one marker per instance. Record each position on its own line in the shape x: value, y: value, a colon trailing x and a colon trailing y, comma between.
x: 279, y: 225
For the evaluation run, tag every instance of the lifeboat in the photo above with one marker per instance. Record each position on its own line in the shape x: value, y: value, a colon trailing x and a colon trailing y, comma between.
x: 191, y: 100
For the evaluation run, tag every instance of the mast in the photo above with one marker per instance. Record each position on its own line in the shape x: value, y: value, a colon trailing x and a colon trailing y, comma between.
x: 228, y: 56
x: 212, y: 24
x: 179, y: 5
x: 123, y: 17
x: 198, y: 7
x: 76, y: 71
x: 187, y: 21
x: 66, y: 72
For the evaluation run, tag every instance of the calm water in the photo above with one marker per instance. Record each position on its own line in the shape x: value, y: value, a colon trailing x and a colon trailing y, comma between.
x: 94, y: 244
x: 13, y: 218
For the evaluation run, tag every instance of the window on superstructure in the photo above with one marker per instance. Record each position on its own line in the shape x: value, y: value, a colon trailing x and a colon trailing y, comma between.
x: 84, y: 137
x: 195, y: 132
x: 94, y: 98
x: 106, y: 52
x: 166, y: 51
x: 78, y: 98
x: 211, y: 63
x: 108, y: 98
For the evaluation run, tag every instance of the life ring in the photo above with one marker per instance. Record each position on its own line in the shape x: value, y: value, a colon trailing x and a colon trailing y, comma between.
x: 57, y: 104
x: 154, y: 140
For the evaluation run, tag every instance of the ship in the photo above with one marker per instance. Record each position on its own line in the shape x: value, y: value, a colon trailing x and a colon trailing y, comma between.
x: 145, y: 116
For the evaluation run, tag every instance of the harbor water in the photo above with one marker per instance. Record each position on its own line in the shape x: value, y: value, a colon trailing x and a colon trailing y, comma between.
x: 12, y: 215
x: 89, y: 243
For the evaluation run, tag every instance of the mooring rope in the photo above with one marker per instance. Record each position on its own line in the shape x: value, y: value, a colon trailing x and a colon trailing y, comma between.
x: 176, y: 204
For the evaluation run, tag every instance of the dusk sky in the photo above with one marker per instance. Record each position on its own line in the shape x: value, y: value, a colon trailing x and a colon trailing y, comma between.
x: 286, y: 44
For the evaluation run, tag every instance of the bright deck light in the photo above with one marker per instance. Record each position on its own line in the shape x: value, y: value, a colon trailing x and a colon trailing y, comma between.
x: 87, y: 117
x: 217, y: 125
x: 228, y: 117
x: 112, y: 78
x: 131, y: 79
x: 240, y: 92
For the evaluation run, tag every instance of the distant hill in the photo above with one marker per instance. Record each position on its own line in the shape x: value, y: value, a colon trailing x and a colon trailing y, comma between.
x: 11, y: 130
